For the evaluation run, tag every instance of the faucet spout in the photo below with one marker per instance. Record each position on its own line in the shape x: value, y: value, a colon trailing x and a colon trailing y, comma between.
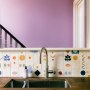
x: 45, y: 51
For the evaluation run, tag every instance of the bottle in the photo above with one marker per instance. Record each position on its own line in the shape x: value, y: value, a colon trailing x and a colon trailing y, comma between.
x: 29, y: 71
x: 25, y: 72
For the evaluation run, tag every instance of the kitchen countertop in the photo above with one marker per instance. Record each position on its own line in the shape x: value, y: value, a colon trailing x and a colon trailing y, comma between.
x: 77, y: 83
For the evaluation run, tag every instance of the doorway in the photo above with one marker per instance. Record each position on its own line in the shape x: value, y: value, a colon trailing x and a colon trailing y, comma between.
x: 79, y: 28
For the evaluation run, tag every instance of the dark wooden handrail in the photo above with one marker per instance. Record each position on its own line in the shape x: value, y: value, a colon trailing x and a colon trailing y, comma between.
x: 12, y: 36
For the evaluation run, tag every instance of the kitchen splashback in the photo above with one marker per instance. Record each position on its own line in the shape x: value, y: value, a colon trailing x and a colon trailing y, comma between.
x: 61, y: 63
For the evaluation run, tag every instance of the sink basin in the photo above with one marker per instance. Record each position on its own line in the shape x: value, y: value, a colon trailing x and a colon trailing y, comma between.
x: 49, y: 84
x: 38, y: 84
x: 16, y: 84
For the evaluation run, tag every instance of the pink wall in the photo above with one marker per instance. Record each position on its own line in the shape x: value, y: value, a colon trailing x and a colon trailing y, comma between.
x: 38, y: 23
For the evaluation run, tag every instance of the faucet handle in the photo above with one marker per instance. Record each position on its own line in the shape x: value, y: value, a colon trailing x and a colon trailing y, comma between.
x: 52, y: 72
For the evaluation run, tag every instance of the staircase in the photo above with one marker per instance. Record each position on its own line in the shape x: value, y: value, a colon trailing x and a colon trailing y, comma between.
x: 7, y: 40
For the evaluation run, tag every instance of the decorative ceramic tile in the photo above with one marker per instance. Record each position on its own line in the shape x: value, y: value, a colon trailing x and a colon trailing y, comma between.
x: 6, y: 57
x: 75, y: 51
x: 75, y: 65
x: 67, y: 65
x: 1, y: 64
x: 83, y: 61
x: 6, y: 64
x: 29, y: 58
x: 67, y: 58
x: 37, y: 67
x: 14, y: 64
x: 36, y: 57
x: 29, y: 63
x: 63, y: 63
x: 52, y: 62
x: 60, y: 63
x: 43, y: 70
x: 88, y: 63
x: 21, y: 62
x: 37, y: 72
x: 60, y: 73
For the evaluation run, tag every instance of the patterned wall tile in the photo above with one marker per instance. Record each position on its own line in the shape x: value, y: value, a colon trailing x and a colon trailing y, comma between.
x: 29, y: 63
x: 52, y: 64
x: 83, y: 61
x: 75, y: 65
x: 6, y: 64
x: 21, y: 62
x: 64, y: 63
x: 1, y: 64
x: 37, y: 70
x: 14, y: 64
x: 36, y: 64
x: 88, y: 64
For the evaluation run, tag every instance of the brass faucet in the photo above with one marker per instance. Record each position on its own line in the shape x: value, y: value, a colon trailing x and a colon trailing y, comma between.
x: 45, y: 50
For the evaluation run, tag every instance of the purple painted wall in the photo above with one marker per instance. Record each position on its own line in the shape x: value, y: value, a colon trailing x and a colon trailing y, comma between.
x: 38, y: 23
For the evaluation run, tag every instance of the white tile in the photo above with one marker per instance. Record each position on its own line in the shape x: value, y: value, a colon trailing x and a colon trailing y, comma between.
x: 1, y: 64
x: 6, y: 64
x: 29, y: 63
x: 14, y: 64
x: 22, y: 61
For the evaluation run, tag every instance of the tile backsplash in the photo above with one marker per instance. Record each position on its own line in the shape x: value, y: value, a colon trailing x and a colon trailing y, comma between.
x: 61, y: 63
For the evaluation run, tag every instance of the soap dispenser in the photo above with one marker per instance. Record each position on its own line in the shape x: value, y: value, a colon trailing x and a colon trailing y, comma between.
x: 29, y: 71
x: 25, y: 72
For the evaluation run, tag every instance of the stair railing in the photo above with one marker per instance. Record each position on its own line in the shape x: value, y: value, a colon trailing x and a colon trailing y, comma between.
x: 6, y: 33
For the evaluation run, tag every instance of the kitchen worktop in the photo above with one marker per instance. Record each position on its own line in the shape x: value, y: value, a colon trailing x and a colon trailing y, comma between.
x: 77, y: 83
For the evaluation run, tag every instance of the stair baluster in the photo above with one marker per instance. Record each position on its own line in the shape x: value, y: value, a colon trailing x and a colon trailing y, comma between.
x: 10, y: 41
x: 0, y: 37
x: 5, y: 39
x: 16, y: 45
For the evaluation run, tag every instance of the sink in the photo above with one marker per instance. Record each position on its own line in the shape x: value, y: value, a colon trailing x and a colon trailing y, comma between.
x: 49, y: 84
x: 62, y: 83
x: 16, y: 84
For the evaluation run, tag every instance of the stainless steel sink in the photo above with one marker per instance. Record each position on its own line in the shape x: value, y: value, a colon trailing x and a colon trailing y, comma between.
x: 38, y: 84
x: 16, y: 84
x: 49, y: 84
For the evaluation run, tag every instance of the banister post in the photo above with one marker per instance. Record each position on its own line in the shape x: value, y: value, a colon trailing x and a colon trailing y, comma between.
x: 0, y: 37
